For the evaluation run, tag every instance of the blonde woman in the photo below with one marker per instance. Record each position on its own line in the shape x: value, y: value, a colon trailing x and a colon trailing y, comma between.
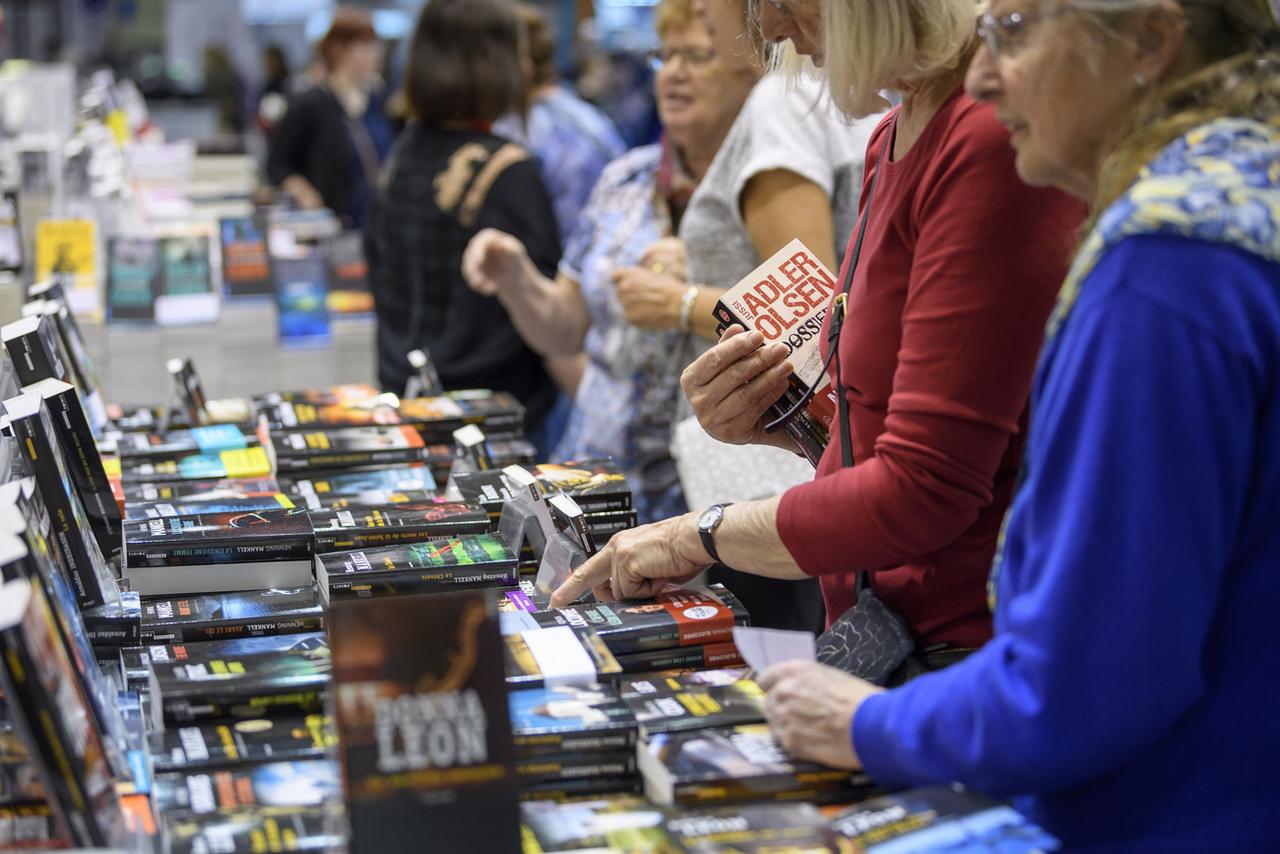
x: 957, y: 272
x: 1129, y: 696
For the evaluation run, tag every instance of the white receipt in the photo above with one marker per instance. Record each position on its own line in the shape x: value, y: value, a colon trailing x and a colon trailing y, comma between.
x: 762, y: 647
x: 560, y: 656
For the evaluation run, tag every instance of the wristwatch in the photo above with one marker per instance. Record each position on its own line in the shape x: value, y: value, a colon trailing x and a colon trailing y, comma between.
x: 707, y: 524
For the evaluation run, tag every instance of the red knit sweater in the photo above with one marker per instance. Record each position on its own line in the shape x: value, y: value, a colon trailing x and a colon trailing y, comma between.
x: 959, y: 270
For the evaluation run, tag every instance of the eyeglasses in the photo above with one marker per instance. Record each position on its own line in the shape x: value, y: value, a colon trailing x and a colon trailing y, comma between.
x: 694, y: 57
x: 1006, y: 34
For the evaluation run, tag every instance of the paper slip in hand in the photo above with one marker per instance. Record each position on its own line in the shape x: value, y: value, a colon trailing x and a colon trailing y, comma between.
x: 762, y: 647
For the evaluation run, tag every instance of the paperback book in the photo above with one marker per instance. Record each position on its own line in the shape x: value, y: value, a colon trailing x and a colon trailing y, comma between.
x: 176, y: 444
x: 568, y: 791
x: 347, y: 447
x: 243, y: 743
x: 456, y: 563
x: 204, y: 650
x: 702, y: 657
x: 785, y: 299
x: 459, y: 789
x: 690, y: 617
x: 499, y: 414
x: 557, y: 655
x: 597, y: 485
x: 34, y: 350
x: 365, y: 528
x: 250, y: 830
x: 164, y: 509
x: 219, y: 552
x: 246, y: 264
x: 190, y: 491
x: 359, y: 486
x: 782, y: 828
x: 230, y: 616
x: 554, y: 769
x: 738, y: 763
x: 115, y: 625
x: 326, y: 396
x: 29, y: 826
x: 292, y: 682
x: 615, y: 824
x: 133, y: 272
x: 570, y: 719
x: 251, y: 462
x: 302, y: 783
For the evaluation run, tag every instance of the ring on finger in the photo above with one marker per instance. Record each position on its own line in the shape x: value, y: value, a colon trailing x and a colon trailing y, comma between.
x: 657, y: 267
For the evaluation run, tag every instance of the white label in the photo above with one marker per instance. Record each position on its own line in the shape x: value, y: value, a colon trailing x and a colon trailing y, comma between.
x: 560, y: 656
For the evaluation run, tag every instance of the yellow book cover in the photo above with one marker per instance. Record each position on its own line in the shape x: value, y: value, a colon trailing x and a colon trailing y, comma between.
x: 69, y: 248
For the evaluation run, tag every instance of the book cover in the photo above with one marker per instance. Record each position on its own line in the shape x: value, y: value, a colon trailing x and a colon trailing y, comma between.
x: 753, y: 829
x: 67, y: 250
x: 174, y: 444
x: 133, y: 273
x: 499, y: 414
x: 83, y: 371
x: 189, y: 491
x: 253, y: 830
x: 702, y: 657
x: 186, y: 281
x: 786, y: 299
x: 569, y: 718
x: 677, y: 703
x: 228, y: 616
x: 35, y: 350
x: 239, y: 744
x: 90, y: 577
x: 690, y: 617
x: 115, y: 625
x: 940, y: 818
x: 83, y: 462
x: 245, y: 686
x: 251, y: 462
x: 370, y: 527
x: 203, y: 650
x: 334, y: 394
x: 209, y: 538
x: 246, y: 264
x: 597, y: 485
x: 740, y: 763
x: 353, y: 485
x: 616, y: 824
x: 551, y: 768
x: 470, y: 561
x: 163, y: 509
x: 348, y: 275
x: 304, y: 783
x: 346, y: 447
x: 365, y: 501
x: 301, y: 289
x: 557, y: 655
x: 51, y: 711
x: 458, y: 787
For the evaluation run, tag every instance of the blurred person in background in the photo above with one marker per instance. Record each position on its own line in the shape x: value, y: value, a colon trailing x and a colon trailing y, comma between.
x: 630, y: 391
x: 447, y: 178
x: 223, y: 86
x: 273, y: 98
x: 327, y: 148
x: 791, y: 167
x: 572, y: 139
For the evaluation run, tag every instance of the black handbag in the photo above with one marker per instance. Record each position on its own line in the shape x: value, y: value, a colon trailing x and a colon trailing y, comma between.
x: 869, y: 640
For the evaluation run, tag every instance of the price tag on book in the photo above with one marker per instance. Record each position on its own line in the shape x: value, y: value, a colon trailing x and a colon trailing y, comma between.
x: 761, y: 648
x: 560, y: 657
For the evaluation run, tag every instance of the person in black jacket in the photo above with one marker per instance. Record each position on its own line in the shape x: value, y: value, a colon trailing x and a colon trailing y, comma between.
x: 326, y: 150
x: 447, y: 177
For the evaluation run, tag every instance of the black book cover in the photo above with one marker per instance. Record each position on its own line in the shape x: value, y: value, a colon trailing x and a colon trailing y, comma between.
x: 559, y: 768
x: 571, y: 521
x: 370, y: 527
x: 304, y: 783
x: 206, y: 650
x: 753, y: 829
x: 47, y: 702
x: 163, y: 509
x: 133, y: 278
x: 371, y: 499
x: 570, y: 719
x: 346, y: 447
x: 210, y: 538
x: 499, y: 414
x: 408, y: 666
x: 352, y: 485
x: 93, y: 582
x: 702, y: 657
x: 227, y: 616
x: 608, y: 824
x: 529, y: 653
x: 115, y: 625
x: 476, y: 560
x: 251, y: 462
x: 88, y: 476
x: 690, y: 617
x: 246, y: 264
x: 597, y: 485
x: 246, y: 686
x: 713, y: 698
x: 34, y: 350
x: 190, y: 491
x: 250, y: 830
x: 924, y: 818
x: 740, y: 763
x: 176, y: 444
x: 238, y: 744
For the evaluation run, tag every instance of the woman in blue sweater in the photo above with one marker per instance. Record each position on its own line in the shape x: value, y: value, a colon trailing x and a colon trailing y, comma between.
x: 1129, y: 699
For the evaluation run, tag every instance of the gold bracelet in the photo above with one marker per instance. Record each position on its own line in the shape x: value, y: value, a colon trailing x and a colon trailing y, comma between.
x: 686, y: 307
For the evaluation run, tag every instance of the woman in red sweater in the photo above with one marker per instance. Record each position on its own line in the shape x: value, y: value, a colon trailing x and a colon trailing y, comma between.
x: 957, y: 274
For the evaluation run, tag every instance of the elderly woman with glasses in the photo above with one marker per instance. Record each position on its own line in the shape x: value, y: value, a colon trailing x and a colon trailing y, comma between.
x: 1128, y: 697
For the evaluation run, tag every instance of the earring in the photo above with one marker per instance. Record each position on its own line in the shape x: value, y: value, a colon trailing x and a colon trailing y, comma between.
x: 1140, y: 81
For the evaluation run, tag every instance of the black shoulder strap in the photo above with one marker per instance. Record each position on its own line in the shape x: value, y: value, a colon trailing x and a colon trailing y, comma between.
x: 841, y: 302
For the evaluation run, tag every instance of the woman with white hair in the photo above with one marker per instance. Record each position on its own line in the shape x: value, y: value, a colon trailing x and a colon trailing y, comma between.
x: 954, y: 265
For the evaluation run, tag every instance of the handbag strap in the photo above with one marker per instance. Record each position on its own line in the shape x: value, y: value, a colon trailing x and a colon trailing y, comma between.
x: 841, y: 306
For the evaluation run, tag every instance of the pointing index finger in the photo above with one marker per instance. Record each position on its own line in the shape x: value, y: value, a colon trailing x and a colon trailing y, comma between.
x: 593, y: 571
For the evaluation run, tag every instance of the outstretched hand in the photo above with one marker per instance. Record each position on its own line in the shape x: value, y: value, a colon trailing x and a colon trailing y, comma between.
x: 494, y: 262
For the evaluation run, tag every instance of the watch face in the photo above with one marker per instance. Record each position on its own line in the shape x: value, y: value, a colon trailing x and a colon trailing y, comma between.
x: 710, y: 517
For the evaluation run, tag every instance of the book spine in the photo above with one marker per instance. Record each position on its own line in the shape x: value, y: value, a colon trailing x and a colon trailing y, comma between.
x: 87, y: 472
x: 348, y: 459
x: 221, y: 706
x: 178, y: 554
x: 368, y: 538
x: 423, y: 582
x: 260, y: 626
x: 31, y: 358
x: 568, y: 742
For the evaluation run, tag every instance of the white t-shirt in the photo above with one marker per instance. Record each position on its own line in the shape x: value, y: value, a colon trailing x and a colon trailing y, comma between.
x: 784, y: 124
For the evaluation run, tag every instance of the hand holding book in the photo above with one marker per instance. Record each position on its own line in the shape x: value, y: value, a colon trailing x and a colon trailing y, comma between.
x: 810, y: 708
x: 732, y: 386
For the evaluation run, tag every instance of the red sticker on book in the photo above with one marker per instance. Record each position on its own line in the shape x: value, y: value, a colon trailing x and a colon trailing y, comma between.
x: 699, y: 619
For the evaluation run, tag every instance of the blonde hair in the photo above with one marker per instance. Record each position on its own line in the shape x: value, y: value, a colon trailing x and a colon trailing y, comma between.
x: 1229, y: 68
x: 672, y: 15
x: 872, y: 45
